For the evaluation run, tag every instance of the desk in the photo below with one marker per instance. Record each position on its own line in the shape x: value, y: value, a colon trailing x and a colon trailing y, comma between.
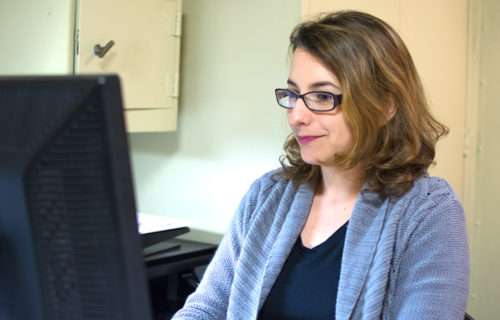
x: 191, y: 254
x: 171, y: 274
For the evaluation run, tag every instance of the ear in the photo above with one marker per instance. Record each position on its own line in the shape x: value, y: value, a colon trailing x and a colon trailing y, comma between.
x: 391, y: 109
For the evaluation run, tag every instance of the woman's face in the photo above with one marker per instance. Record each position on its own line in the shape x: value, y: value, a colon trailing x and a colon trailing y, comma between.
x: 320, y: 135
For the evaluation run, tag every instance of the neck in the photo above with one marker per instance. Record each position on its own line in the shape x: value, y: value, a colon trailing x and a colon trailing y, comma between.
x: 341, y: 184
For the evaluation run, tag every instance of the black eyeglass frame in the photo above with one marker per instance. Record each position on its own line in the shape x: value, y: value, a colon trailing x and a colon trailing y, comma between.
x: 337, y: 99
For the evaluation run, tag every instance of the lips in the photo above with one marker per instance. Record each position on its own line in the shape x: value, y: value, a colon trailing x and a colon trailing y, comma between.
x: 307, y: 139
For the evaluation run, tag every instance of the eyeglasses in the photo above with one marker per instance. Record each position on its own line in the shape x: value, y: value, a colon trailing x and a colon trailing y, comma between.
x: 318, y: 101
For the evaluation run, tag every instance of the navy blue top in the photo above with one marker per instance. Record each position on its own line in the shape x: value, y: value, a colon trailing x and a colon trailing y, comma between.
x: 306, y: 287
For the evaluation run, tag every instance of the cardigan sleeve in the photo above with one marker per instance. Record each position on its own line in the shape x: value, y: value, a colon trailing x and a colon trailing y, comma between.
x: 433, y: 273
x: 211, y: 297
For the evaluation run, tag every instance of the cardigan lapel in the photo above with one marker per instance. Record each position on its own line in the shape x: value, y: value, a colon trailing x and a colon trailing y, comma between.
x: 362, y: 236
x: 293, y: 222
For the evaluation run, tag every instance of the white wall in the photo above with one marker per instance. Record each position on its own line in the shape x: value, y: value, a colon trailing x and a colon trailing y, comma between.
x: 36, y: 36
x: 234, y: 53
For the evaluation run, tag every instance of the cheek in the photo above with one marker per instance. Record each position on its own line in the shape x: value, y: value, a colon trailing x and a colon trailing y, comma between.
x: 340, y: 134
x: 346, y: 131
x: 347, y: 138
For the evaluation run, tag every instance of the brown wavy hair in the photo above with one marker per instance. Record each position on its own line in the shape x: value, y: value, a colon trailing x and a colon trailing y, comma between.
x: 376, y: 74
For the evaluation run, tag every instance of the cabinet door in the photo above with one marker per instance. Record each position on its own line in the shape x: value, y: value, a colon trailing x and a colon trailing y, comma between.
x: 146, y: 36
x: 436, y: 35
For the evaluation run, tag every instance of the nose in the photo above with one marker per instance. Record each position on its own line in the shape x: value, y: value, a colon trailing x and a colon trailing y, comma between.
x: 299, y: 115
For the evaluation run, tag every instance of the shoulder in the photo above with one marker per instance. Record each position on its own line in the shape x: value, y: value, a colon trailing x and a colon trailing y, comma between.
x: 268, y: 188
x: 430, y: 204
x: 428, y: 192
x: 432, y: 189
x: 269, y: 199
x: 272, y: 183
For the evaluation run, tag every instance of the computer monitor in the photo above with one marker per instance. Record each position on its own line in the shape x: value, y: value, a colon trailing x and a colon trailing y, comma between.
x: 69, y: 245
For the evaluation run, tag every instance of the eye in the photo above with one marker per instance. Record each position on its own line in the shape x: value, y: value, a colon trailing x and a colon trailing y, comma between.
x: 324, y: 96
x: 321, y: 97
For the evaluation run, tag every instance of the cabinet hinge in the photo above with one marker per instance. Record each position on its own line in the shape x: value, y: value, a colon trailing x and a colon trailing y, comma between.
x: 178, y: 24
x: 77, y: 42
x: 175, y: 85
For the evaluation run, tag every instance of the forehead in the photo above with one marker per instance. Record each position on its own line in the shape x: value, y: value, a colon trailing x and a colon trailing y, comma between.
x: 306, y: 69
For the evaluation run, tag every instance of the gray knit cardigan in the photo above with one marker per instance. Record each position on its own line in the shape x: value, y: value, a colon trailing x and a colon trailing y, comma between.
x: 403, y: 259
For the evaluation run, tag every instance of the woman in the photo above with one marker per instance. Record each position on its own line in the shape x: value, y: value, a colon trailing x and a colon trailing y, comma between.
x: 351, y: 226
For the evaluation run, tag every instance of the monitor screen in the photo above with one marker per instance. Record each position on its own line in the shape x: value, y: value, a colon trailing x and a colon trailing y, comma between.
x: 69, y: 245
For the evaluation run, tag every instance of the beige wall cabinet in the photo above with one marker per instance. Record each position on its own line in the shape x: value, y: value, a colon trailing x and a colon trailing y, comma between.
x: 145, y: 53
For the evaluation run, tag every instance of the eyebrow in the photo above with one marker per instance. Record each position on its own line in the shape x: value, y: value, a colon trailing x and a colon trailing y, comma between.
x: 314, y: 85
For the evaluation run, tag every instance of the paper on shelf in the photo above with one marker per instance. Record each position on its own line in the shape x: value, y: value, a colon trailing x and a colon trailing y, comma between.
x: 153, y: 223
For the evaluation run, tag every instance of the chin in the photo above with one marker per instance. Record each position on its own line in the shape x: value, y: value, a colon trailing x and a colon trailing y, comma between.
x: 311, y: 160
x: 317, y: 160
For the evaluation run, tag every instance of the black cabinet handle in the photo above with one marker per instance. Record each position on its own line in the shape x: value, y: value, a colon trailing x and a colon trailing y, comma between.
x: 101, y: 51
